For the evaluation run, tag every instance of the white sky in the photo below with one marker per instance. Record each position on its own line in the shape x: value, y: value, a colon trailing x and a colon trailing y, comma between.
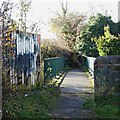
x: 43, y: 10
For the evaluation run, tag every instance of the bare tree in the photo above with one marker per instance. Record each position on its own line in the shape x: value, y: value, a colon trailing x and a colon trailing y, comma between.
x: 67, y: 25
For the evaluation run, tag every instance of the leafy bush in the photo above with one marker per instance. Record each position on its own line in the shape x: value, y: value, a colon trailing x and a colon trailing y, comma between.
x: 52, y: 49
x: 94, y: 28
x: 108, y: 44
x: 55, y: 49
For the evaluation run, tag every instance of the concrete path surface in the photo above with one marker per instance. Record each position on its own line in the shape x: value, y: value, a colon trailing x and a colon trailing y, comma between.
x: 75, y: 88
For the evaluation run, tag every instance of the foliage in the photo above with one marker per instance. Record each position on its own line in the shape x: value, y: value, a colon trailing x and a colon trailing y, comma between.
x: 8, y: 42
x: 31, y: 104
x: 108, y: 44
x: 67, y: 25
x: 85, y: 46
x: 55, y: 49
x: 94, y: 28
x: 97, y: 23
x: 52, y: 49
x: 8, y: 45
x: 24, y: 9
x: 118, y: 24
x: 104, y: 109
x: 7, y: 28
x: 89, y: 104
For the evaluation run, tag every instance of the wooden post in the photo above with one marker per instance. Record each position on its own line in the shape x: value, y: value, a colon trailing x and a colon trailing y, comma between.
x: 39, y: 67
x: 0, y: 77
x: 40, y: 55
x: 22, y: 76
x: 1, y: 35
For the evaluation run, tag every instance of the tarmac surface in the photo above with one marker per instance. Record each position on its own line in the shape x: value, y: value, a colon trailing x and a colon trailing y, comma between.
x: 75, y: 89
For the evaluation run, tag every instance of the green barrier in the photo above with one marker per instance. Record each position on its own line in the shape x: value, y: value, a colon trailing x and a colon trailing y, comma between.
x: 53, y: 66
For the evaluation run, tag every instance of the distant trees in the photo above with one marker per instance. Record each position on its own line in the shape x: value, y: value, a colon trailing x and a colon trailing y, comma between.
x: 23, y: 10
x: 80, y: 35
x: 52, y: 49
x: 94, y: 28
x: 67, y: 25
x: 118, y: 24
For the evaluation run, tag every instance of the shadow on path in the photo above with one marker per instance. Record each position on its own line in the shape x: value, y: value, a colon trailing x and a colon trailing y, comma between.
x: 75, y: 89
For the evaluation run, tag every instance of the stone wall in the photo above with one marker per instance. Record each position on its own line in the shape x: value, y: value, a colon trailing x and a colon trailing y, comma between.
x: 107, y: 76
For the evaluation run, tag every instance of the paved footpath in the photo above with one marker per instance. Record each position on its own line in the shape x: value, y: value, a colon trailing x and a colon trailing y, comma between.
x: 75, y: 88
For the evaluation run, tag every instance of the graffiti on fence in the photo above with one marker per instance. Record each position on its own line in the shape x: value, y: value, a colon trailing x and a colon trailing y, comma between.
x: 20, y: 53
x: 27, y: 58
x: 25, y: 65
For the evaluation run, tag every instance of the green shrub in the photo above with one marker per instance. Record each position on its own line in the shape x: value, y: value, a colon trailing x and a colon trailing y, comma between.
x: 108, y: 44
x: 51, y: 49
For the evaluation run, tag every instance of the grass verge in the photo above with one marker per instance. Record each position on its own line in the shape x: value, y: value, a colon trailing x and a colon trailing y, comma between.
x: 31, y: 104
x: 104, y: 108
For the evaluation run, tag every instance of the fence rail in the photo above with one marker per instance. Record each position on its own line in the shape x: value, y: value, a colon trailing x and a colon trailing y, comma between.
x: 52, y: 66
x: 89, y: 64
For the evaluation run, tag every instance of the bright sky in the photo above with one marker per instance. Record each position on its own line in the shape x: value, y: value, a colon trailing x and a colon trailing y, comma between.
x: 43, y: 10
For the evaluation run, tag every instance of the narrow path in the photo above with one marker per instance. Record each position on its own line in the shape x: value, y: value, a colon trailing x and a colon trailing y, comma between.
x: 75, y: 88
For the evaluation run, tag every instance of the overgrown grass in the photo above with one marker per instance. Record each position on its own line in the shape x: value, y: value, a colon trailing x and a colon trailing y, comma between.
x: 104, y: 108
x: 34, y: 104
